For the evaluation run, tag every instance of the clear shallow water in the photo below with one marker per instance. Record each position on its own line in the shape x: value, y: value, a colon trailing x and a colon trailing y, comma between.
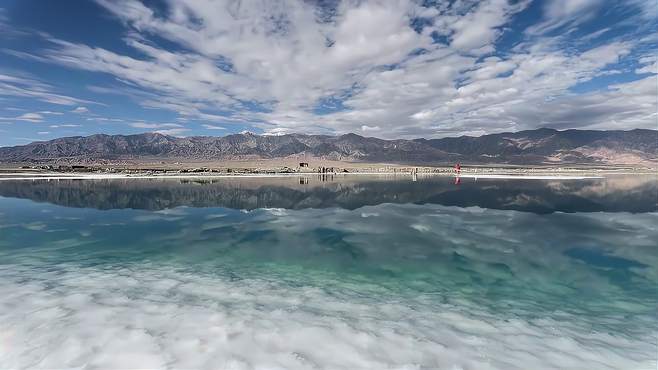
x: 347, y: 273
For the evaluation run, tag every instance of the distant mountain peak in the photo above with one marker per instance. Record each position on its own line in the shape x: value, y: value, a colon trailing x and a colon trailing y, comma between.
x: 541, y: 146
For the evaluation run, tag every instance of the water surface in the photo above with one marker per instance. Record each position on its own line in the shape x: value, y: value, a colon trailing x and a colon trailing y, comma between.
x: 321, y: 272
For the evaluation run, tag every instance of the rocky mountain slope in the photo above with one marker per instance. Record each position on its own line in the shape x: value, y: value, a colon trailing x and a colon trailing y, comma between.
x: 541, y: 146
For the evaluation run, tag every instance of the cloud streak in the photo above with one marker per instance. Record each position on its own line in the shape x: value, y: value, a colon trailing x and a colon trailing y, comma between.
x: 30, y: 88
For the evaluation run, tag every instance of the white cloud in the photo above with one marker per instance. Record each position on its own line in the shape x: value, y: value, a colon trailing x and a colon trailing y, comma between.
x: 560, y: 13
x: 80, y: 110
x: 283, y: 57
x: 180, y: 132
x: 648, y: 8
x: 365, y: 128
x: 30, y: 88
x: 103, y: 119
x: 213, y: 127
x: 67, y: 125
x: 43, y: 133
x: 290, y: 68
x: 633, y: 102
x: 30, y: 117
x: 154, y: 125
x: 480, y: 27
x: 649, y: 64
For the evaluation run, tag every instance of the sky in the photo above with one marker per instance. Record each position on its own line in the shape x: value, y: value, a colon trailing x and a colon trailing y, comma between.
x: 387, y: 68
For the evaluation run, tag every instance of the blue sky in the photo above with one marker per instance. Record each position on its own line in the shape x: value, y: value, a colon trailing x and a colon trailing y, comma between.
x: 391, y: 69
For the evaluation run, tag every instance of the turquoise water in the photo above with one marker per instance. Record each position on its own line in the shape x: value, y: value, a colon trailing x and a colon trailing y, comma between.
x: 339, y: 273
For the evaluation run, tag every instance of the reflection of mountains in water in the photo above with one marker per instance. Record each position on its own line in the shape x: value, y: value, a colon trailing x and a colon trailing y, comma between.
x: 617, y: 194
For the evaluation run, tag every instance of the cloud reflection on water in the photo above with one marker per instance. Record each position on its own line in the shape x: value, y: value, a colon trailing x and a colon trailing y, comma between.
x: 397, y: 285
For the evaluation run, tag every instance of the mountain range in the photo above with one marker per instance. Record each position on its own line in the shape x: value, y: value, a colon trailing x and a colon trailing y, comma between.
x: 540, y: 146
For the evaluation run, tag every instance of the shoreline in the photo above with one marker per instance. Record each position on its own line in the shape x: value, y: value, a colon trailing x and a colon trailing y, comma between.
x: 335, y: 170
x: 74, y: 176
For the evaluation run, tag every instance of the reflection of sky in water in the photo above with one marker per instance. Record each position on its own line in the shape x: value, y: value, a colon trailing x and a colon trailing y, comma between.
x: 617, y: 194
x: 400, y: 285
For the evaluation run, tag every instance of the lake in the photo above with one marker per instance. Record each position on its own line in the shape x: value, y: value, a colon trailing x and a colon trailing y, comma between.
x: 335, y: 272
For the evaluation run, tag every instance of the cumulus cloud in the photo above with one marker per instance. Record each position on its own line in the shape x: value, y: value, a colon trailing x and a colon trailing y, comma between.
x: 611, y: 109
x: 289, y: 66
x: 480, y: 27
